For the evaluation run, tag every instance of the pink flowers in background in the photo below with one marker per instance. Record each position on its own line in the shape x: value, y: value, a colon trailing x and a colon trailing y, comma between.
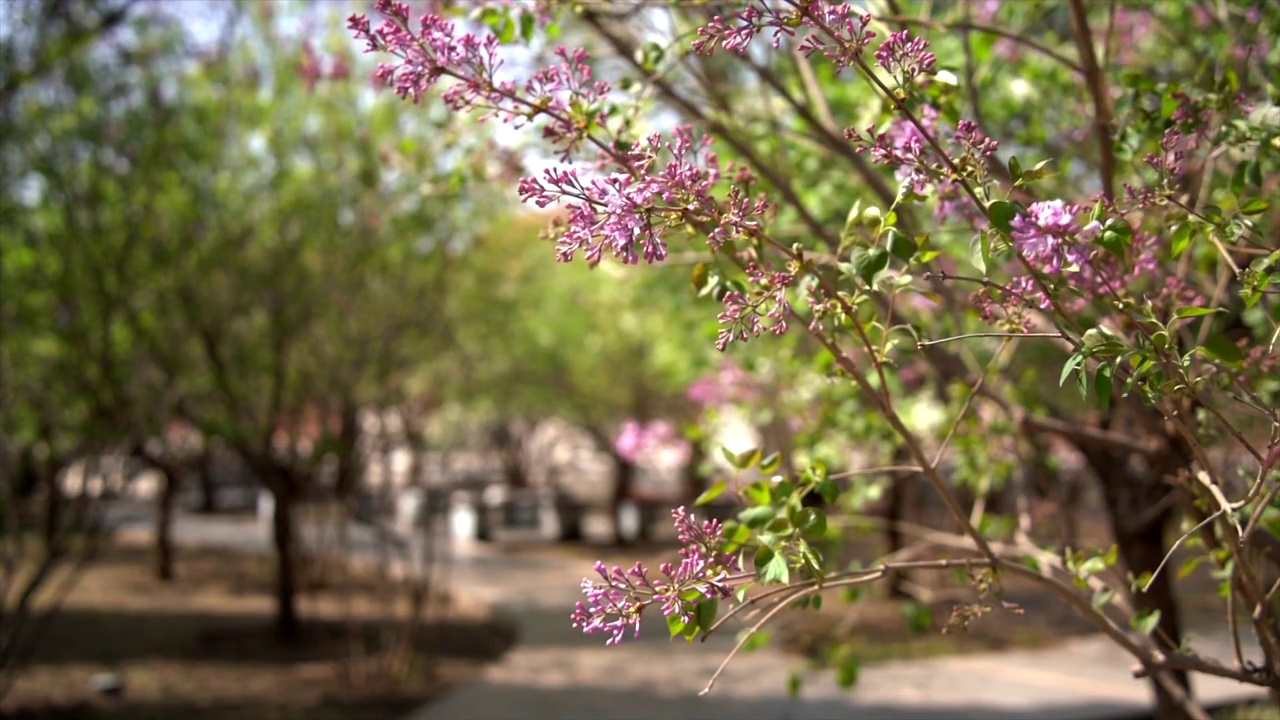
x: 730, y: 383
x: 617, y: 603
x: 637, y: 442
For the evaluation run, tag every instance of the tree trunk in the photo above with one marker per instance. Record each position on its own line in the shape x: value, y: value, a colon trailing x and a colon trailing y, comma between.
x: 898, y: 501
x: 624, y: 480
x: 283, y: 532
x: 208, y: 491
x: 694, y: 483
x: 348, y: 478
x: 170, y: 481
x: 1134, y: 489
x: 53, y: 500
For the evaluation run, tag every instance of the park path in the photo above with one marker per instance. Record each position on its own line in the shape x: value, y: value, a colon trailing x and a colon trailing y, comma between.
x: 556, y: 673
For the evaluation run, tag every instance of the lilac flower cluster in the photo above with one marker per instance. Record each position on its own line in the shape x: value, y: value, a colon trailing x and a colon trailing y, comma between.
x: 563, y: 95
x: 904, y: 147
x: 618, y: 602
x: 1053, y: 242
x: 628, y: 212
x: 766, y: 307
x: 630, y: 198
x: 905, y: 57
x: 841, y: 34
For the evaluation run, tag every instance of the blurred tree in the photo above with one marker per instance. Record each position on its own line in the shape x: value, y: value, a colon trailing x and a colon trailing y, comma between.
x: 209, y: 233
x: 593, y: 346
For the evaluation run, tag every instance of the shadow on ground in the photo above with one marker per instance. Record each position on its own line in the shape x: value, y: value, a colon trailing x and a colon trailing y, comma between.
x: 509, y: 702
x: 115, y: 636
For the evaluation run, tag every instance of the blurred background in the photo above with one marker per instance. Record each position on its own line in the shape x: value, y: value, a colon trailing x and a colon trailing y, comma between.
x: 299, y: 418
x: 276, y: 350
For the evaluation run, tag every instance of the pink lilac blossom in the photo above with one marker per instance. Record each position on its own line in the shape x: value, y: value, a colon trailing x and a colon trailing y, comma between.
x: 905, y: 57
x: 765, y: 307
x: 617, y: 603
x: 841, y: 33
x: 904, y: 147
x: 632, y: 197
x: 730, y: 383
x: 637, y: 441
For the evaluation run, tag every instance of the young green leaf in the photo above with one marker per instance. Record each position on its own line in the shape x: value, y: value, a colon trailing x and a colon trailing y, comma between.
x: 712, y: 492
x: 1146, y: 623
x: 1001, y: 214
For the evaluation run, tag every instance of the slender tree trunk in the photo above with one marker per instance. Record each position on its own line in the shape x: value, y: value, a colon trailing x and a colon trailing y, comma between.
x: 895, y: 512
x: 284, y: 491
x: 208, y: 491
x: 898, y: 501
x: 170, y: 481
x: 348, y: 468
x: 53, y: 501
x: 1134, y: 490
x: 694, y: 483
x: 624, y: 481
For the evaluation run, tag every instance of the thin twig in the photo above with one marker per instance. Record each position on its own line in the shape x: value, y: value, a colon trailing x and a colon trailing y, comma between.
x: 1012, y: 336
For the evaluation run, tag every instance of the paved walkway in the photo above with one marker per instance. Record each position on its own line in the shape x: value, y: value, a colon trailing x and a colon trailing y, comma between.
x: 556, y: 673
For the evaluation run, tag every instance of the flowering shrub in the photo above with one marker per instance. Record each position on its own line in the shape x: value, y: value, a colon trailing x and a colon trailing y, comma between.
x: 1136, y: 254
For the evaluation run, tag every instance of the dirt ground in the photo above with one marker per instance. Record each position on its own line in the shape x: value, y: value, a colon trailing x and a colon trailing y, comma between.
x: 203, y: 647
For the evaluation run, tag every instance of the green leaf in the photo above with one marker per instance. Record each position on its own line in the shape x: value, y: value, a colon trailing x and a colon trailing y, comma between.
x: 1256, y: 206
x: 1220, y: 348
x: 1181, y: 239
x: 900, y: 246
x: 712, y: 492
x: 704, y: 613
x: 1146, y: 623
x: 829, y: 490
x: 1069, y: 367
x: 794, y: 682
x: 1092, y: 566
x: 979, y: 250
x: 1190, y: 311
x: 817, y: 602
x: 1189, y: 566
x: 528, y: 25
x: 770, y: 462
x: 1015, y: 168
x: 870, y: 263
x: 1102, y: 385
x: 918, y: 616
x: 847, y: 673
x: 699, y: 277
x: 775, y: 569
x: 1001, y: 214
x: 752, y: 641
x: 747, y: 458
x: 812, y: 521
x: 759, y: 493
x: 674, y: 625
x: 1102, y: 598
x: 758, y: 516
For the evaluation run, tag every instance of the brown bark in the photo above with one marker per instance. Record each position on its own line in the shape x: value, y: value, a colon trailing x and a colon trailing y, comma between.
x: 694, y: 483
x: 348, y: 467
x: 52, y: 511
x: 170, y: 481
x: 283, y: 491
x: 624, y: 481
x: 208, y: 492
x: 898, y: 501
x: 1135, y: 489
